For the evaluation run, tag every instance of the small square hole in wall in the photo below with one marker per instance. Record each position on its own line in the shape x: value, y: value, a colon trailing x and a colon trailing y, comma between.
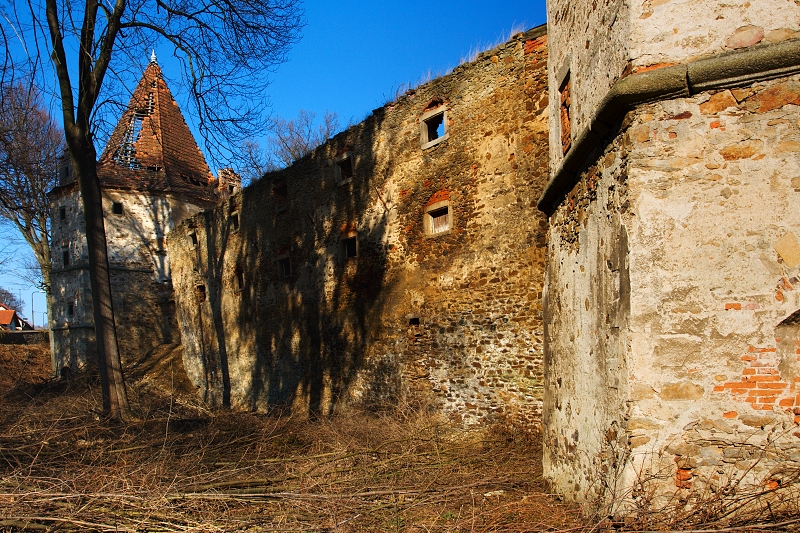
x: 65, y: 257
x: 193, y: 239
x: 116, y: 208
x: 200, y: 293
x: 433, y: 126
x: 350, y: 247
x: 285, y: 267
x: 234, y: 221
x: 62, y: 213
x: 279, y: 188
x: 238, y: 278
x: 413, y: 321
x: 343, y: 167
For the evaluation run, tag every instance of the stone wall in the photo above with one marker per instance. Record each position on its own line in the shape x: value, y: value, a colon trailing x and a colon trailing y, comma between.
x: 598, y: 42
x: 140, y: 274
x: 275, y: 310
x: 671, y: 308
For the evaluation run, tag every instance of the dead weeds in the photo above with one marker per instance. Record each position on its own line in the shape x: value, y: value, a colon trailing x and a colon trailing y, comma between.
x: 183, y: 468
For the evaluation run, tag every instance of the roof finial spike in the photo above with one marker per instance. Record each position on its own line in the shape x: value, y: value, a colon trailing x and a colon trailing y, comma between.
x: 153, y: 56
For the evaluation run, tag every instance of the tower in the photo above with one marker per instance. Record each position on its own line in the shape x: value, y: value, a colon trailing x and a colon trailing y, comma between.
x: 152, y: 175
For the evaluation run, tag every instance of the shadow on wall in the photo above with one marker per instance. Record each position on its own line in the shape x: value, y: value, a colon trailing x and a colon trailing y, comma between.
x: 290, y: 312
x: 143, y: 302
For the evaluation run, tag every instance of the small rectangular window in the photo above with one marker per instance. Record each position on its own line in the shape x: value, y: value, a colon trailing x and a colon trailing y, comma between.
x: 413, y: 321
x: 350, y: 247
x: 343, y: 168
x: 65, y: 257
x: 279, y: 188
x: 70, y: 310
x: 238, y: 280
x: 193, y: 239
x: 433, y: 126
x: 285, y: 267
x: 62, y: 213
x: 235, y: 221
x: 116, y: 208
x: 439, y: 220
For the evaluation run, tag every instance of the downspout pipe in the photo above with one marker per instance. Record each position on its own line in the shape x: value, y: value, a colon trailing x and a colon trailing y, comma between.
x: 722, y: 71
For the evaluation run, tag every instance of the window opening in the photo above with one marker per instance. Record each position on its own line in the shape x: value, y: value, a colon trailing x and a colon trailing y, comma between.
x: 433, y: 126
x: 116, y: 208
x: 193, y: 239
x: 70, y: 309
x: 285, y: 267
x: 65, y: 257
x: 566, y: 100
x: 279, y: 188
x: 343, y: 168
x: 350, y: 247
x: 238, y: 278
x: 200, y: 293
x: 413, y: 321
x: 439, y: 221
x: 235, y: 221
x: 62, y: 213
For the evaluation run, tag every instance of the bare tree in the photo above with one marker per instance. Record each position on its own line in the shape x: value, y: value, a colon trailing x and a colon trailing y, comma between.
x: 31, y: 145
x: 224, y: 48
x: 256, y: 160
x: 10, y: 299
x: 293, y: 139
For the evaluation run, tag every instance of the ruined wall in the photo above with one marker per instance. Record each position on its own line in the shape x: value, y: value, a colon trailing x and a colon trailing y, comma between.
x: 452, y: 319
x: 140, y: 274
x: 693, y: 345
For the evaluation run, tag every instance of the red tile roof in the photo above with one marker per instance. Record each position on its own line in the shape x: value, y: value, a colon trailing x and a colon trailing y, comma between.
x: 6, y: 316
x: 152, y: 148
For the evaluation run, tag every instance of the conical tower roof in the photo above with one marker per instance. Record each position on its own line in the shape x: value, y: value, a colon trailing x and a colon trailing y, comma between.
x: 152, y: 148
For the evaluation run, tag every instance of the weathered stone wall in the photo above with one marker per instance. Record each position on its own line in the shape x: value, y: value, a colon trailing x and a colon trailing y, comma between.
x: 452, y: 318
x: 601, y: 41
x: 140, y: 274
x: 678, y: 369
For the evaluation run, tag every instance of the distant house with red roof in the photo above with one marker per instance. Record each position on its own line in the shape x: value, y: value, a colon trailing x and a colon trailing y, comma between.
x: 11, y: 321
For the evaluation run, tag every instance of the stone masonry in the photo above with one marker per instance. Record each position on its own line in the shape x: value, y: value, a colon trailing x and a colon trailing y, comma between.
x: 400, y: 263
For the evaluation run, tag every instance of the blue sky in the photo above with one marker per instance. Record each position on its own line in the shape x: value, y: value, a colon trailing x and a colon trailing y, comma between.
x: 354, y: 56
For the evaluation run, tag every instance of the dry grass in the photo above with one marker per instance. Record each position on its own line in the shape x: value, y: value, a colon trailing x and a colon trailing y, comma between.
x: 182, y: 468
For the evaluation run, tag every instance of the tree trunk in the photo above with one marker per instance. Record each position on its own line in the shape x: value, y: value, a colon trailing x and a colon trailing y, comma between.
x: 115, y: 398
